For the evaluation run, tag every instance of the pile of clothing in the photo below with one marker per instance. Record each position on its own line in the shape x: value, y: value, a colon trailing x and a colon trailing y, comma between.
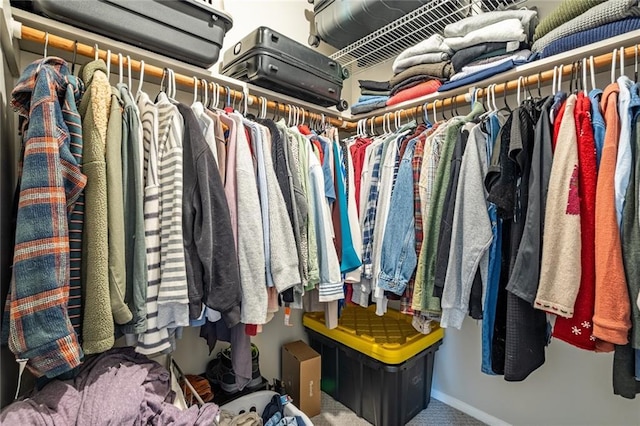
x: 373, y: 95
x: 577, y: 23
x: 488, y: 44
x: 420, y: 70
x: 272, y: 415
x: 119, y: 386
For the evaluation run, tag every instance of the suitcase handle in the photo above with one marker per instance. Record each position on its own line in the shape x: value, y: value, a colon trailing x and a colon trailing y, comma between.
x: 331, y: 90
x: 275, y: 38
x: 273, y: 68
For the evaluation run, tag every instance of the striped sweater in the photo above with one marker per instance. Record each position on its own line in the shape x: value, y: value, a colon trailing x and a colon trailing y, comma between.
x: 173, y: 300
x: 154, y: 339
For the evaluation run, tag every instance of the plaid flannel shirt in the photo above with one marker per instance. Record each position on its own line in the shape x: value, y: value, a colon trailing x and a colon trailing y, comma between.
x: 50, y: 183
x: 416, y: 164
x: 370, y: 213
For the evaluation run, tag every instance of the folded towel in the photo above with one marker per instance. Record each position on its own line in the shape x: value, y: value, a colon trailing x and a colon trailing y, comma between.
x: 481, y: 75
x: 469, y: 54
x: 425, y: 58
x: 593, y: 35
x: 412, y: 81
x: 422, y: 89
x: 441, y: 70
x: 431, y: 45
x: 528, y: 19
x: 368, y: 106
x: 374, y: 85
x: 369, y: 98
x: 565, y: 12
x: 374, y: 92
x: 522, y: 55
x: 610, y: 11
x: 505, y: 31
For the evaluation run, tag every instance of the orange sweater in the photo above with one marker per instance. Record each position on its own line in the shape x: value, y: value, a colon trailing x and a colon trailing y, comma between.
x: 612, y: 316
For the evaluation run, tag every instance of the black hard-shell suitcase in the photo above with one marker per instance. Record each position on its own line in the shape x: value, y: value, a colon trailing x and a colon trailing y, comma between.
x: 342, y: 22
x: 271, y: 60
x: 191, y: 31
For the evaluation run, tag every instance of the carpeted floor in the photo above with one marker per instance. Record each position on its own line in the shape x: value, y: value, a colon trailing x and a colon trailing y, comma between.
x: 436, y: 414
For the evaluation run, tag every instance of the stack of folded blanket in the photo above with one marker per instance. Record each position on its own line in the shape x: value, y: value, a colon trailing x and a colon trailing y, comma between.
x: 487, y: 44
x: 373, y: 95
x: 577, y: 23
x: 420, y: 70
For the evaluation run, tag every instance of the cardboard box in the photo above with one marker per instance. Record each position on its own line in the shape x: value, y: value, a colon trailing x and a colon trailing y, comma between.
x: 301, y: 376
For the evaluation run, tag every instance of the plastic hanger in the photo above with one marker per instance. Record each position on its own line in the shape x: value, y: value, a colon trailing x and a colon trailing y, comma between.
x: 73, y: 58
x: 46, y: 44
x: 592, y: 71
x: 276, y: 111
x: 195, y: 89
x: 141, y: 76
x: 635, y: 66
x: 613, y: 65
x: 129, y: 71
x: 435, y: 116
x: 96, y: 52
x: 108, y: 63
x: 205, y: 92
x: 621, y: 61
x: 120, y: 69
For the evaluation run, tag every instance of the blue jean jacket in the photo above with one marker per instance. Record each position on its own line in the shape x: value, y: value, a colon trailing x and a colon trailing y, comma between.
x: 398, y: 245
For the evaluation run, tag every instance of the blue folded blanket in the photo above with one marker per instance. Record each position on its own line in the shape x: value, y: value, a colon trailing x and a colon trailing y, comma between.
x: 481, y: 75
x: 590, y: 36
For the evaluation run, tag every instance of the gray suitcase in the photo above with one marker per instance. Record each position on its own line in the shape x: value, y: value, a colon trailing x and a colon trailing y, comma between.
x: 341, y: 22
x: 191, y: 31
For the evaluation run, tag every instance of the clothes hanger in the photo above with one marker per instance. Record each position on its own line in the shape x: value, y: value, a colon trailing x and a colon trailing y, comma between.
x: 141, y: 77
x: 433, y: 105
x: 539, y: 83
x: 613, y: 65
x: 205, y: 92
x: 46, y: 44
x: 621, y: 61
x: 592, y: 71
x: 195, y: 89
x: 73, y: 58
x: 120, y: 69
x: 129, y: 72
x: 108, y: 63
x: 635, y: 67
x: 96, y: 52
x: 554, y: 81
x: 276, y: 110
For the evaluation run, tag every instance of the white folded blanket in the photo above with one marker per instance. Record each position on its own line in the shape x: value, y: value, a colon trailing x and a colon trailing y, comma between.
x: 528, y: 19
x: 427, y: 58
x: 507, y: 30
x: 433, y: 44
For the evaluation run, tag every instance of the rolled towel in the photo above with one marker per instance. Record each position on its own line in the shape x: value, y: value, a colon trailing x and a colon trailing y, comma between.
x: 426, y: 58
x: 504, y: 31
x: 442, y: 70
x: 422, y: 89
x: 566, y: 11
x: 528, y: 19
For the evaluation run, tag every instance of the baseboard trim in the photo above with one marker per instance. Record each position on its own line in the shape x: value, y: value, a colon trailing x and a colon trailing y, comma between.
x: 468, y: 409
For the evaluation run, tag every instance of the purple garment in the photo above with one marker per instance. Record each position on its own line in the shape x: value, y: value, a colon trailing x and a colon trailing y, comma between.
x: 119, y: 386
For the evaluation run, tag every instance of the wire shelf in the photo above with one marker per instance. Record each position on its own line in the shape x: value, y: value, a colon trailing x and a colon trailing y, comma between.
x: 404, y: 32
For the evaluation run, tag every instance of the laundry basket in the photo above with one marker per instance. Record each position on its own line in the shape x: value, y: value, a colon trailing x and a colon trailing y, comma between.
x: 257, y: 401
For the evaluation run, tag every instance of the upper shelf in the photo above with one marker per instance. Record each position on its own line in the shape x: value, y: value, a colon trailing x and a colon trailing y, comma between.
x: 428, y: 19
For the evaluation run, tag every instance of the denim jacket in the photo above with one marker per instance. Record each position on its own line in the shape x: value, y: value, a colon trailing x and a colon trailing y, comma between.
x: 399, y: 244
x: 50, y: 183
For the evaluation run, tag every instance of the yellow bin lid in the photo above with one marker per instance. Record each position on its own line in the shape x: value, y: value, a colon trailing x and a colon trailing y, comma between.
x: 390, y: 338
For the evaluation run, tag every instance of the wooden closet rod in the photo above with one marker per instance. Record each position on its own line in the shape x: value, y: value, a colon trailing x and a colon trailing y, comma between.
x: 38, y: 36
x: 35, y: 35
x: 599, y: 62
